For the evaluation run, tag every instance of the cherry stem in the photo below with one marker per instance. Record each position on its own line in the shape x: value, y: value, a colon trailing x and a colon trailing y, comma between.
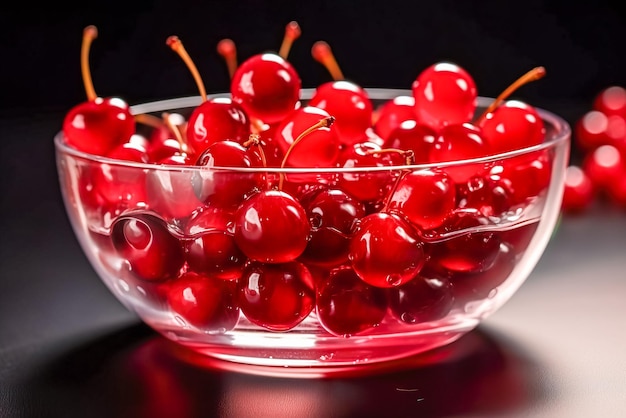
x: 177, y: 46
x: 322, y: 53
x: 409, y: 159
x: 409, y: 155
x: 255, y: 139
x: 292, y: 32
x: 148, y: 120
x: 323, y: 123
x: 532, y: 75
x: 184, y: 147
x: 227, y: 49
x: 89, y: 34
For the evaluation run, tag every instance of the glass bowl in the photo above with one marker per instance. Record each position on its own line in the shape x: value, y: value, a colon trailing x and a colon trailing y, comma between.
x: 387, y: 286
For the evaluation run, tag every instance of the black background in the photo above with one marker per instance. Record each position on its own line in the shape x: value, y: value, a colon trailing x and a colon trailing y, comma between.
x: 377, y: 44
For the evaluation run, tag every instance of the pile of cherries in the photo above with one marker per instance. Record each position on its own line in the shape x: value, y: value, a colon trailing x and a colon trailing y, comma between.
x: 601, y: 135
x: 377, y: 243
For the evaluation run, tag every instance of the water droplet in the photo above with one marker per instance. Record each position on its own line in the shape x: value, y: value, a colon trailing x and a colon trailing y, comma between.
x: 492, y: 293
x: 394, y: 280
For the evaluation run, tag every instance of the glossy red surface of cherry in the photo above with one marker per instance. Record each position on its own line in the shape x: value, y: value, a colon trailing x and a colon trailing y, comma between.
x: 603, y: 166
x: 97, y: 126
x: 348, y: 306
x: 445, y: 94
x: 320, y: 148
x: 512, y: 125
x: 370, y: 187
x: 411, y: 136
x: 145, y: 241
x: 122, y: 186
x: 459, y: 142
x: 611, y: 101
x: 578, y: 193
x: 217, y: 119
x: 276, y: 296
x: 171, y: 193
x: 423, y: 299
x: 386, y: 251
x: 223, y: 188
x: 525, y: 176
x: 425, y: 197
x: 272, y: 227
x: 468, y: 286
x: 351, y: 106
x: 216, y: 254
x: 267, y: 87
x: 463, y: 250
x: 391, y: 114
x: 333, y: 216
x: 204, y: 302
x: 489, y: 194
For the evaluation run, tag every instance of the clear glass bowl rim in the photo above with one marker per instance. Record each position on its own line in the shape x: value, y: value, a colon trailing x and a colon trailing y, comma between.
x: 562, y: 133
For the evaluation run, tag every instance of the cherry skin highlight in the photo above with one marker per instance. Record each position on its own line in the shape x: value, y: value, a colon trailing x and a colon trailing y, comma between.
x: 267, y: 87
x: 386, y: 251
x: 276, y: 296
x: 145, y: 241
x: 351, y: 106
x: 204, y: 302
x: 348, y: 306
x: 445, y: 94
x: 271, y: 227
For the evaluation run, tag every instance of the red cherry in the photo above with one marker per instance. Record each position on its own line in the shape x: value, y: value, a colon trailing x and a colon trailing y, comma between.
x: 145, y: 241
x: 616, y: 190
x: 204, y: 302
x: 512, y: 125
x: 459, y: 142
x: 267, y: 87
x: 524, y: 177
x: 423, y: 299
x: 409, y: 135
x: 99, y: 124
x: 321, y: 147
x: 227, y: 188
x: 333, y: 216
x: 425, y: 197
x: 386, y: 251
x: 445, y: 94
x: 590, y: 130
x: 368, y: 186
x: 603, y: 166
x: 579, y: 192
x: 392, y: 113
x: 462, y: 250
x: 489, y: 194
x: 348, y: 306
x: 215, y: 120
x: 276, y: 296
x: 215, y: 254
x: 170, y: 191
x: 468, y: 286
x: 611, y: 101
x: 349, y: 104
x: 271, y: 227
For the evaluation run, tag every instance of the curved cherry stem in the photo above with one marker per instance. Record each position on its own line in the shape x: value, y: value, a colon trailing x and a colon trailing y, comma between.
x: 409, y: 159
x: 255, y: 139
x: 89, y: 34
x: 323, y: 123
x: 177, y: 46
x: 227, y: 49
x: 149, y: 120
x: 532, y: 75
x: 292, y: 32
x: 184, y: 147
x: 322, y: 53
